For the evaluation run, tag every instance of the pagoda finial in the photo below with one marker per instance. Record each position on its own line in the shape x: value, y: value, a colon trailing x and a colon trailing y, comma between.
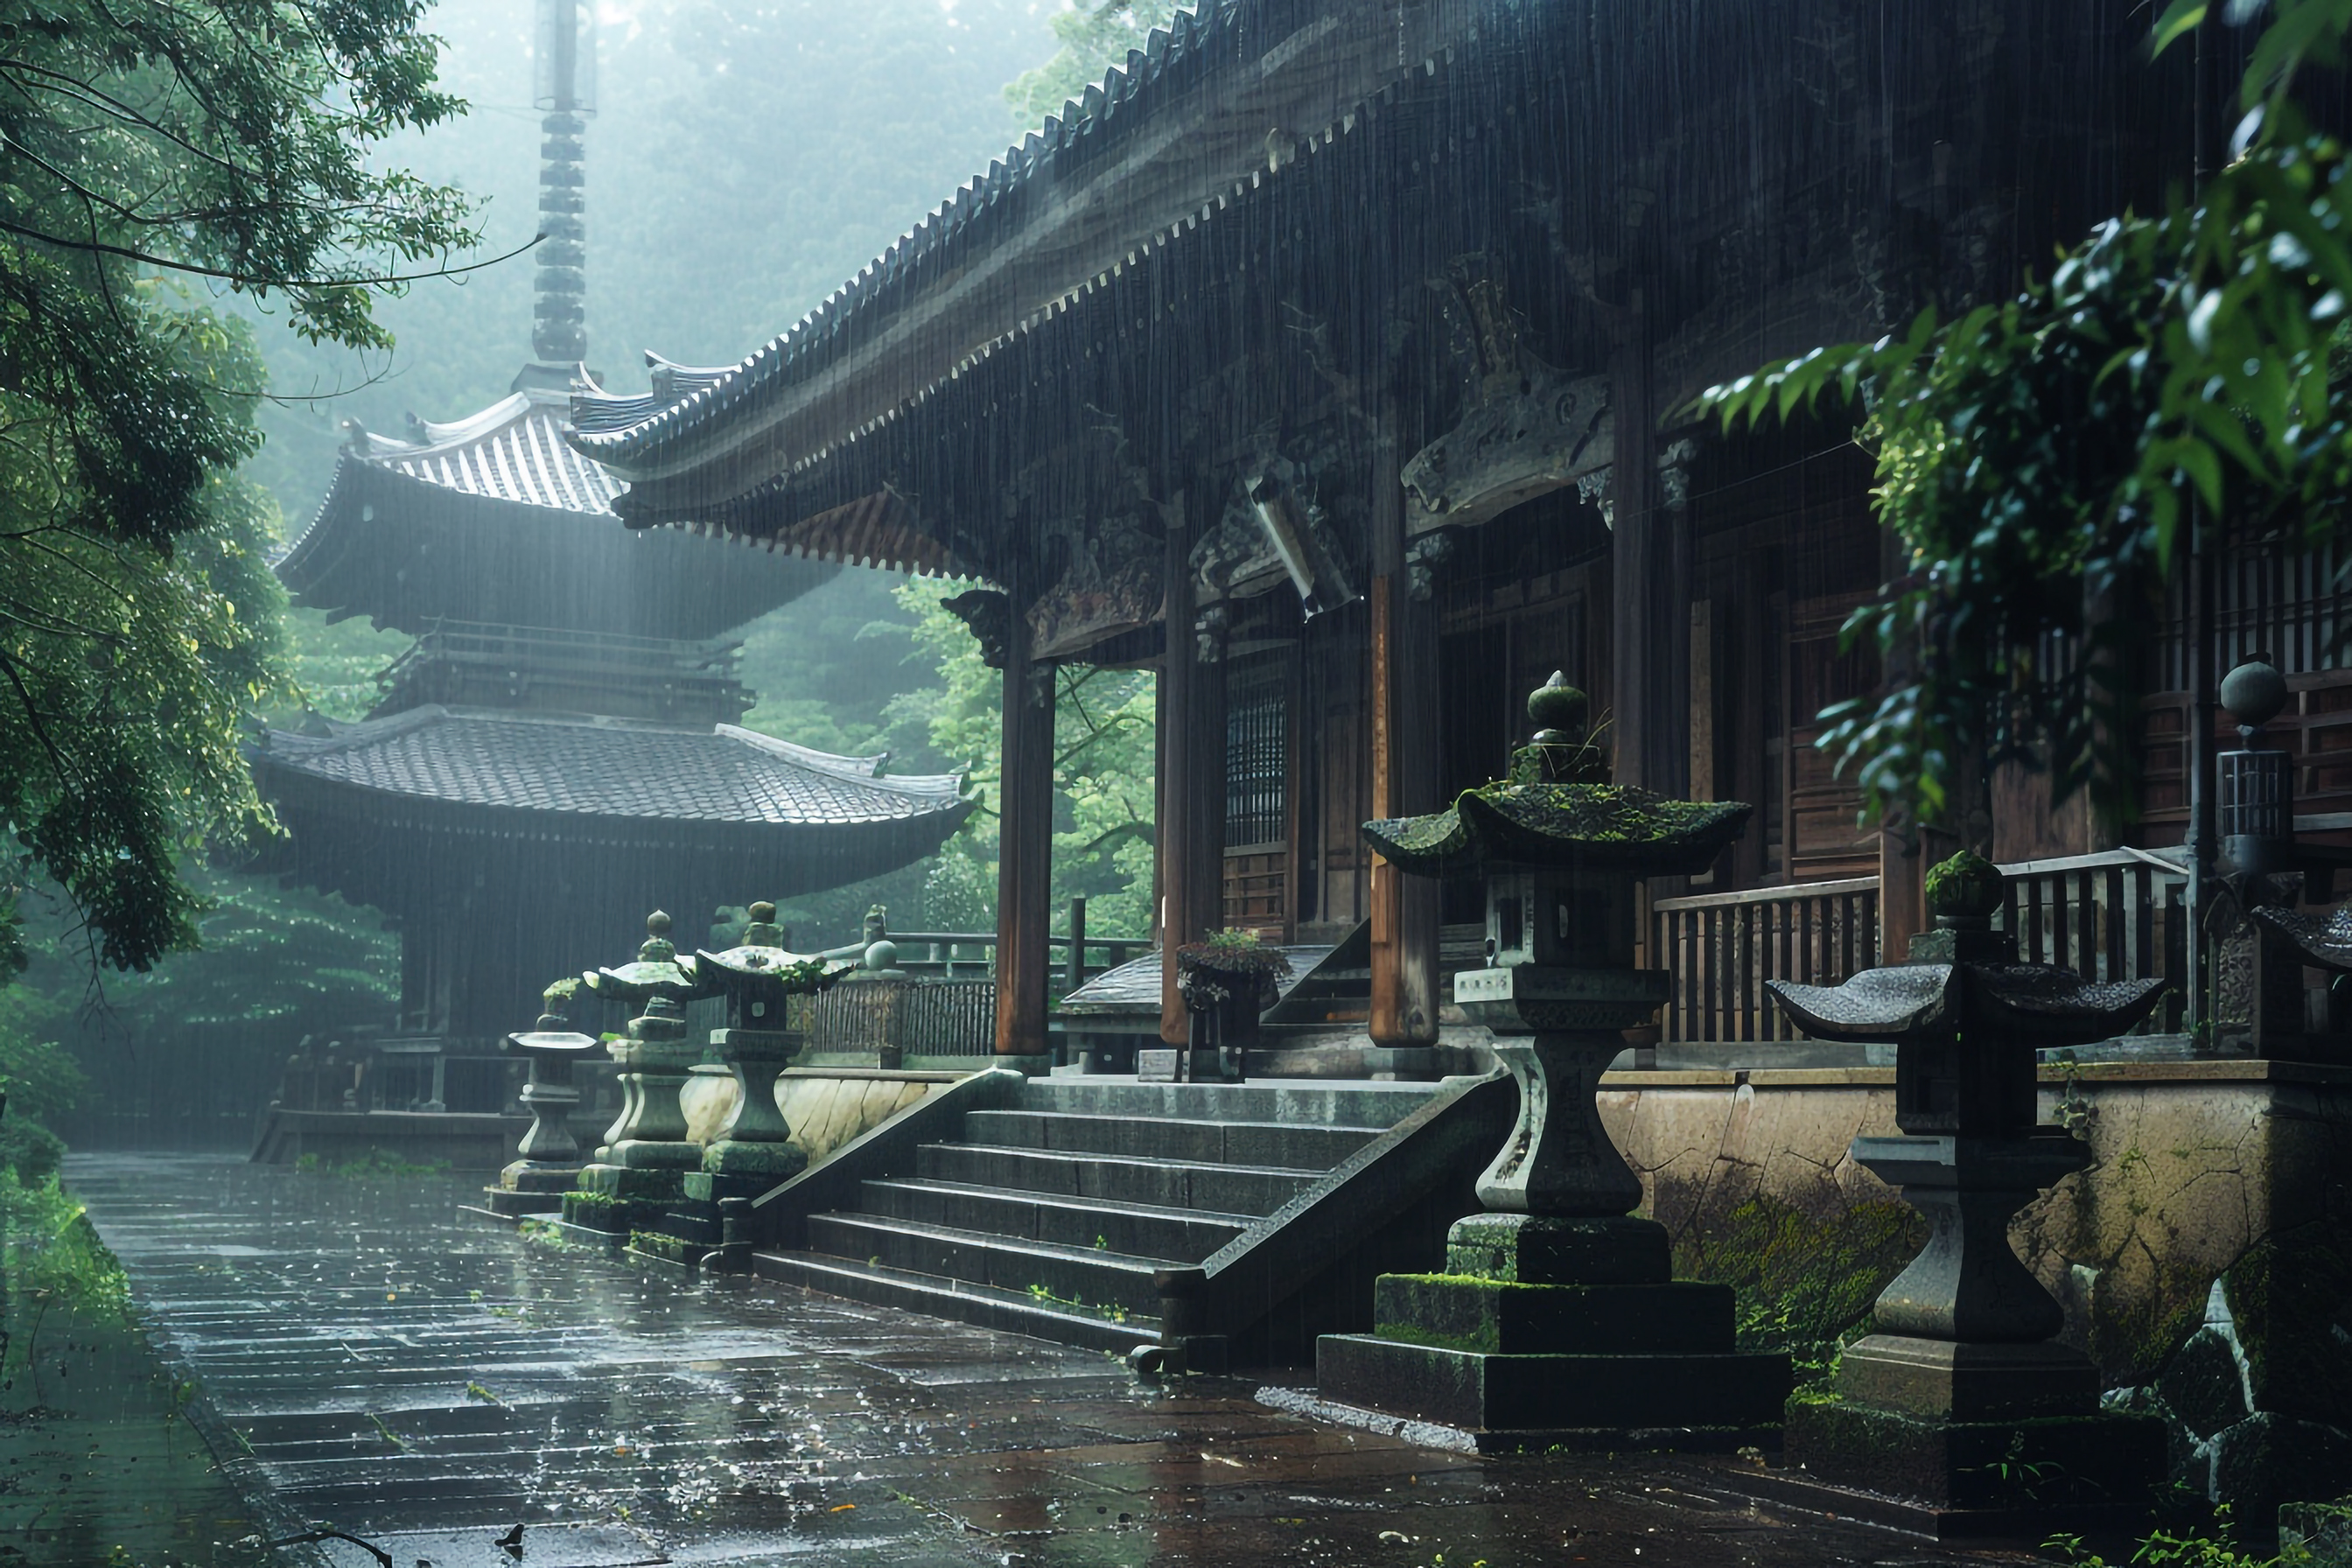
x: 566, y: 89
x: 657, y: 948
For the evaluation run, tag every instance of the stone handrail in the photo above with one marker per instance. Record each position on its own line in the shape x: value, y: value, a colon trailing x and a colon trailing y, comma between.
x: 1441, y: 1146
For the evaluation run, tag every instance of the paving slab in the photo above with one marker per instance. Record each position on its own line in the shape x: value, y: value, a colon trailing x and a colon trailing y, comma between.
x: 375, y: 1361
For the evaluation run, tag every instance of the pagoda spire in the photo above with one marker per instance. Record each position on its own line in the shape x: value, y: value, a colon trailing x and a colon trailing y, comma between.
x: 566, y: 91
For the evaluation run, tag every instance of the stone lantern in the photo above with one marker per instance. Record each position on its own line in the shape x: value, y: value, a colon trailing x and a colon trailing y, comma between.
x: 1558, y: 1318
x: 1962, y: 1403
x: 548, y: 1160
x: 751, y: 1150
x: 646, y: 1152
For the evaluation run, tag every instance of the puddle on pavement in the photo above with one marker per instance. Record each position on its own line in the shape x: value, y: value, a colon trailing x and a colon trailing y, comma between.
x: 428, y: 1381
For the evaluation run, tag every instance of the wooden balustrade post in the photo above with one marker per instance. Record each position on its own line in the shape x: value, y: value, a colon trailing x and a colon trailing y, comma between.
x: 1075, y: 974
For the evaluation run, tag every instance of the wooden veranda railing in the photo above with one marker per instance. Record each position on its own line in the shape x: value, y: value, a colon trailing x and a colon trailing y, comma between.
x: 2112, y: 915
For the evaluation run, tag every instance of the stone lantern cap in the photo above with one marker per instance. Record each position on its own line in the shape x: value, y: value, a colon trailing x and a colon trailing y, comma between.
x: 1506, y: 827
x: 1557, y: 811
x: 2325, y: 941
x: 551, y: 1043
x: 758, y: 965
x: 2032, y: 1005
x: 656, y: 973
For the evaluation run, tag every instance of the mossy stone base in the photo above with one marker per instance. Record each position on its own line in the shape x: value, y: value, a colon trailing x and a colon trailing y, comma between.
x: 771, y: 1162
x: 539, y: 1176
x: 1496, y: 1317
x: 2055, y: 1463
x: 633, y: 1183
x: 710, y: 1186
x: 1534, y: 1249
x: 1635, y: 1393
x: 654, y: 1154
x: 671, y: 1249
x: 1941, y: 1380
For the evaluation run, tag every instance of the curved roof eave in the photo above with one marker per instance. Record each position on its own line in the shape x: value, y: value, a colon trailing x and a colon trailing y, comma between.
x: 1056, y: 218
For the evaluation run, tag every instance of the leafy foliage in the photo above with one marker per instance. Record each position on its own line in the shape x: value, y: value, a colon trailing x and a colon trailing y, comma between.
x: 1104, y: 729
x: 1095, y: 36
x: 146, y: 145
x: 2040, y: 460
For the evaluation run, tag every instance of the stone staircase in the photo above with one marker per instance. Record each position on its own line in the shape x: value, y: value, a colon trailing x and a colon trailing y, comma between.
x: 1060, y: 1212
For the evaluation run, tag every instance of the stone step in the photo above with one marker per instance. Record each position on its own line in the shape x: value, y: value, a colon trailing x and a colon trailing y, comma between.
x: 1294, y: 1102
x: 1170, y: 1183
x: 1139, y: 1230
x: 1086, y: 1277
x: 933, y: 1295
x: 1143, y: 1136
x: 1623, y: 1393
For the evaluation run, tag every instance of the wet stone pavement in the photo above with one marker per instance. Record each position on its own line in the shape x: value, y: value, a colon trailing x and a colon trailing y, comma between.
x: 371, y: 1359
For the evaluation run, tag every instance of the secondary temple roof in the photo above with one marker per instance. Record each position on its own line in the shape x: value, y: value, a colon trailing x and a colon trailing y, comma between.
x: 494, y: 519
x: 610, y: 768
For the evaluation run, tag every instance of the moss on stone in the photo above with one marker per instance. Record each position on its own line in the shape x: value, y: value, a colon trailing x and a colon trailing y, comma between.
x: 2288, y: 1295
x: 1801, y: 1284
x: 1622, y: 825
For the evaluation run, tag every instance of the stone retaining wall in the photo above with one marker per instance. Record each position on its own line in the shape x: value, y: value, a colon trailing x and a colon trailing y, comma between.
x: 824, y: 1108
x: 2204, y: 1258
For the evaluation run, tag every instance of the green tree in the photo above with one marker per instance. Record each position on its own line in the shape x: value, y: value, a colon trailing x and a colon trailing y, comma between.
x: 2041, y: 459
x: 1094, y: 37
x: 145, y: 146
x: 1104, y: 735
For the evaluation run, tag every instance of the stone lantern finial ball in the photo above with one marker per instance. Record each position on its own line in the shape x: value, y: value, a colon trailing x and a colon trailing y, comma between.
x: 1968, y: 886
x: 2253, y: 693
x: 657, y: 925
x: 1556, y: 705
x: 762, y: 912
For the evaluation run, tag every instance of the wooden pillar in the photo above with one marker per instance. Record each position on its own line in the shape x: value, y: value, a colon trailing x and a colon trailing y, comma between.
x: 1403, y: 699
x: 1637, y: 672
x: 1025, y: 846
x: 1191, y: 756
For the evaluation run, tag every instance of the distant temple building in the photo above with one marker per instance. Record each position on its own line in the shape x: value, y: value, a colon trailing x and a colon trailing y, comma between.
x: 556, y: 753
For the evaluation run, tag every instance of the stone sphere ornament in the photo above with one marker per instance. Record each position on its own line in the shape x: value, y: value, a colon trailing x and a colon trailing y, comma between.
x: 2254, y: 693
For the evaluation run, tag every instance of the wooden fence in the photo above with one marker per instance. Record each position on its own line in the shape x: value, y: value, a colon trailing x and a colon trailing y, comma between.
x: 2113, y: 916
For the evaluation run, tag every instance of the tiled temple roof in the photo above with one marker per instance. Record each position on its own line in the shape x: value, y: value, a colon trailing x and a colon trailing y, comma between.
x: 565, y: 765
x: 495, y: 519
x: 1031, y: 238
x: 513, y: 450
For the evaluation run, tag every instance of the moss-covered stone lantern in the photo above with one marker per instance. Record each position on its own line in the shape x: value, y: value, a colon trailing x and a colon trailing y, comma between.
x: 547, y: 1163
x: 1558, y: 1318
x: 1962, y: 1403
x: 645, y: 1153
x: 751, y: 1151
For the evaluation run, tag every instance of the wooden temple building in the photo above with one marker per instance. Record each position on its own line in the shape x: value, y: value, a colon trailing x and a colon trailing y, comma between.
x: 1338, y: 362
x: 556, y: 753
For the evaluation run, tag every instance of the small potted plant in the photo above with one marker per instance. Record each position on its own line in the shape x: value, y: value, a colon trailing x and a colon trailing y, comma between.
x: 1226, y: 981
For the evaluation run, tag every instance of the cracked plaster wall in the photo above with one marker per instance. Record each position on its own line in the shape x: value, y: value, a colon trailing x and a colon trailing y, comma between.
x: 2217, y: 1197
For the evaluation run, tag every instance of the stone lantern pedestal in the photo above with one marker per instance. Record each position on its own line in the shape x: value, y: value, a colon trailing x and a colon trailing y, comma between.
x: 1962, y: 1414
x: 549, y: 1156
x: 1557, y: 1319
x: 753, y: 1150
x: 640, y: 1168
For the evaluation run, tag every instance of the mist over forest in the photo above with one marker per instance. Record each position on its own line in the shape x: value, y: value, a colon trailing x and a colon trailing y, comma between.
x: 741, y: 162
